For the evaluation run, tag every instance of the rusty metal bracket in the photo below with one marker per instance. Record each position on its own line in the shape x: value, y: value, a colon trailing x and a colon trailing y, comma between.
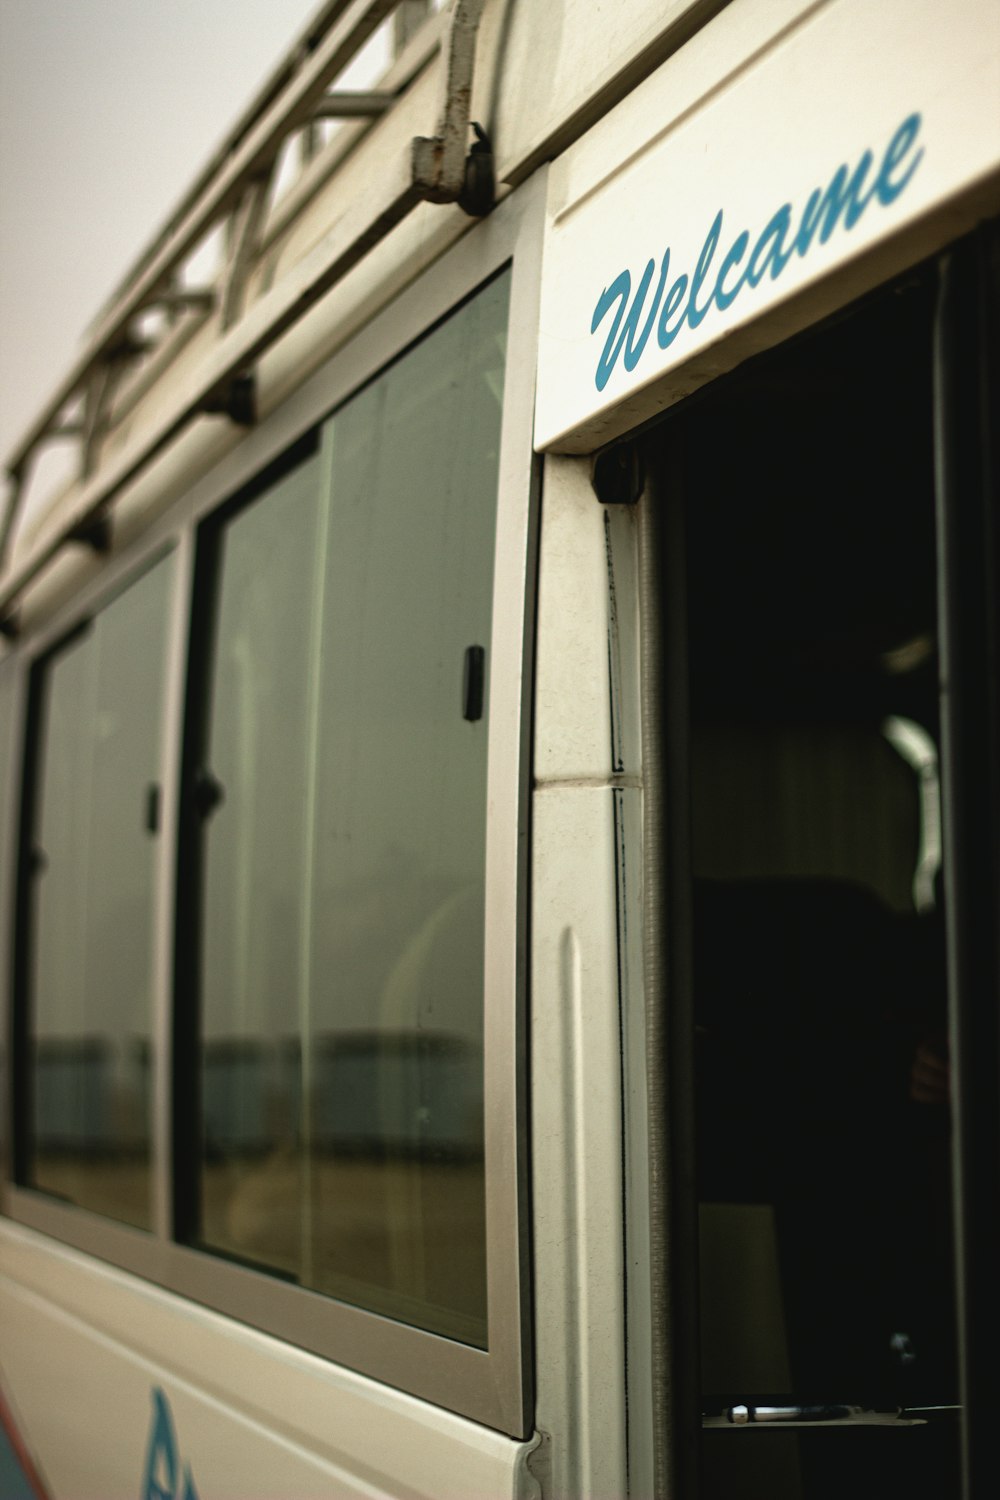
x: 438, y: 161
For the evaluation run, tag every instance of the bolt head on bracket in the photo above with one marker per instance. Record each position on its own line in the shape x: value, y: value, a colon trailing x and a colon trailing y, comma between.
x: 443, y: 173
x: 479, y: 191
x: 617, y: 474
x: 95, y: 533
x: 237, y: 400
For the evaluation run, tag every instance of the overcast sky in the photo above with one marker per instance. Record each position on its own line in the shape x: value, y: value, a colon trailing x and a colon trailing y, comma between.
x: 108, y: 109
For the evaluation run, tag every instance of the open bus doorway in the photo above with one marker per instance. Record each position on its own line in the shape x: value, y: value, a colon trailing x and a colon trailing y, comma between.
x: 808, y: 878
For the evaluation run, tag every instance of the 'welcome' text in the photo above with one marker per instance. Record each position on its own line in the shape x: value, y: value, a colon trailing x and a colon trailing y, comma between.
x: 689, y: 299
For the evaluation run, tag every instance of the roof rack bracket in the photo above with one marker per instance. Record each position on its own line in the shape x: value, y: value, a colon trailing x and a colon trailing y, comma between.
x: 94, y: 533
x: 177, y: 299
x: 237, y: 400
x: 343, y: 104
x: 439, y: 161
x: 100, y: 393
x: 245, y: 227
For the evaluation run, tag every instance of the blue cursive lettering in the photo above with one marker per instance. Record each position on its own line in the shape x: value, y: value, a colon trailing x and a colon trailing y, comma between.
x: 843, y: 196
x: 664, y: 335
x: 887, y: 190
x: 770, y: 248
x: 162, y: 1480
x: 618, y: 291
x: 694, y: 312
x: 733, y: 256
x: 841, y: 203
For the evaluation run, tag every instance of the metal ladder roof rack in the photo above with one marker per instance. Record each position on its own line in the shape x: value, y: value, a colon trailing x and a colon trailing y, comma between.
x: 234, y: 189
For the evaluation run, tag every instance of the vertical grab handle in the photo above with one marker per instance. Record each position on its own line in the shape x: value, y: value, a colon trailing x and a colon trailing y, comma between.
x: 473, y: 675
x: 152, y: 808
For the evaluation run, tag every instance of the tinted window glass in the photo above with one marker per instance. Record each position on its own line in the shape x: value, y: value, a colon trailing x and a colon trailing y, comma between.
x: 343, y: 825
x: 98, y: 701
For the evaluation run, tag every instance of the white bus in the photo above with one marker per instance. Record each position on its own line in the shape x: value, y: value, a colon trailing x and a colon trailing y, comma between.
x: 501, y: 782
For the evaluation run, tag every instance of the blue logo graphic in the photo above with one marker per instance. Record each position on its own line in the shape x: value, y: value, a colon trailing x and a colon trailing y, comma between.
x: 845, y: 197
x: 162, y: 1479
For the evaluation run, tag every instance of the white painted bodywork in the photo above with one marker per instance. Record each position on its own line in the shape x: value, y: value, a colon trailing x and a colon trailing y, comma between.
x: 591, y: 1291
x: 84, y: 1346
x: 759, y: 106
x: 758, y: 111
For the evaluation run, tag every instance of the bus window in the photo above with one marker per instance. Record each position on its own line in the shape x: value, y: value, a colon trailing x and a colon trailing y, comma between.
x: 339, y: 796
x: 88, y: 893
x: 822, y: 1070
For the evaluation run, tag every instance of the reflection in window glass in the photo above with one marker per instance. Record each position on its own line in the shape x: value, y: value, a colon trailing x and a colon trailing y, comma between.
x: 343, y: 800
x: 254, y: 842
x: 99, y: 702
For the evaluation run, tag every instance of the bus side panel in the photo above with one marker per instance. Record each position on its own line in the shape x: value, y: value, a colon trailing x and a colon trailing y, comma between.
x: 189, y: 1404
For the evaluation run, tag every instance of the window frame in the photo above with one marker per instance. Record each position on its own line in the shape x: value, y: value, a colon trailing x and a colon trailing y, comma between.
x: 491, y: 1386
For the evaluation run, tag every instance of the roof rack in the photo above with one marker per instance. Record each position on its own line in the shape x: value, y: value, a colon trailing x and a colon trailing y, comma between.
x: 234, y: 190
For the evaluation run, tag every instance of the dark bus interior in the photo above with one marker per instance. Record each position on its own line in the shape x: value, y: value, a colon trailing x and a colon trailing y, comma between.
x: 818, y: 969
